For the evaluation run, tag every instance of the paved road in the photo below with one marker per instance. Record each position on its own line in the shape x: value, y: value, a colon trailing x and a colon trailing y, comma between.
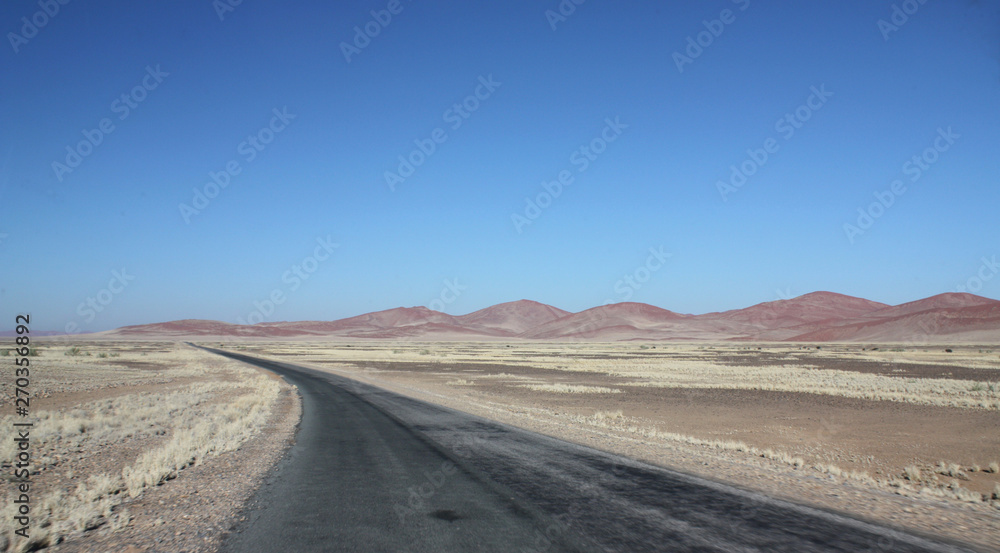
x: 375, y: 471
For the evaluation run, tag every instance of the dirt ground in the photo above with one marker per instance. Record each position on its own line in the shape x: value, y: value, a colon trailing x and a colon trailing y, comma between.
x: 847, y: 454
x: 901, y: 435
x: 107, y: 405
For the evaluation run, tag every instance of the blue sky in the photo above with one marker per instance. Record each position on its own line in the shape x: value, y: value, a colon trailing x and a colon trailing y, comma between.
x: 201, y: 93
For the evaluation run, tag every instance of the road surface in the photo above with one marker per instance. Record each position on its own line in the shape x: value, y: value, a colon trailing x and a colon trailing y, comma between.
x: 372, y: 470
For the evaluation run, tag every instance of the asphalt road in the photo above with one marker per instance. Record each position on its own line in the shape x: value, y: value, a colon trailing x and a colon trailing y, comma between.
x: 372, y: 471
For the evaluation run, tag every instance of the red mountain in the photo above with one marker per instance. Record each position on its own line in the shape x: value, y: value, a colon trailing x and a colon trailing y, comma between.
x: 609, y: 322
x: 400, y: 316
x: 964, y: 317
x: 951, y: 300
x: 809, y: 308
x: 390, y: 323
x: 513, y: 317
x: 819, y: 316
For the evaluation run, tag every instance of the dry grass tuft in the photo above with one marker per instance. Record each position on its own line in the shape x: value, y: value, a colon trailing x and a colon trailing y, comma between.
x: 570, y: 389
x: 952, y: 470
x: 185, y: 426
x: 830, y: 469
x: 602, y: 416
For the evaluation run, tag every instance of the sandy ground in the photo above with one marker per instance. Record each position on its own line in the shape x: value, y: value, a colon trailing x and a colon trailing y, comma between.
x: 733, y: 413
x: 828, y: 449
x: 99, y: 387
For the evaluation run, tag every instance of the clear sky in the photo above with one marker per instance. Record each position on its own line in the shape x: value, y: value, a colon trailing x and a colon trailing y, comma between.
x: 114, y: 117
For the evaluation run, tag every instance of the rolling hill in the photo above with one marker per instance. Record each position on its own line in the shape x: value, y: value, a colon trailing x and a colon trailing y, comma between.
x: 813, y: 317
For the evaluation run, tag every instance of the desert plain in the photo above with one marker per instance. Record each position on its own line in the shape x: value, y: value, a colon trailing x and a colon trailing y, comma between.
x: 156, y: 445
x: 140, y: 446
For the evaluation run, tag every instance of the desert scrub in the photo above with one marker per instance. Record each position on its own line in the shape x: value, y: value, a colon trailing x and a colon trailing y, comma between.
x: 79, y: 373
x: 111, y: 420
x: 206, y: 419
x: 912, y: 482
x: 617, y: 421
x: 800, y: 378
x: 698, y: 369
x: 216, y: 429
x: 570, y: 389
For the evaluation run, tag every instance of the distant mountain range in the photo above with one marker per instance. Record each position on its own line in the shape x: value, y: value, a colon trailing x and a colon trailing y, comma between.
x: 815, y: 317
x: 35, y: 333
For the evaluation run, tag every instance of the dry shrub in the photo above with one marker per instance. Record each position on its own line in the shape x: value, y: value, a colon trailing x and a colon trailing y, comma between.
x: 570, y: 389
x: 198, y: 425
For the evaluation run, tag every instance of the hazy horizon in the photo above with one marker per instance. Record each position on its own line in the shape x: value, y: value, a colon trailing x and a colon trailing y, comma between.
x: 165, y: 161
